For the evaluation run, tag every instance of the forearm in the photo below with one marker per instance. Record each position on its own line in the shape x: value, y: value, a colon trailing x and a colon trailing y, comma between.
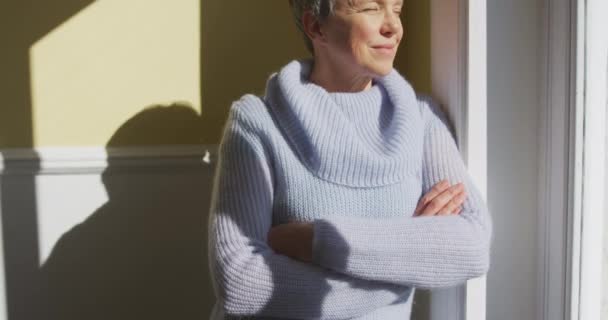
x: 257, y: 281
x: 426, y: 252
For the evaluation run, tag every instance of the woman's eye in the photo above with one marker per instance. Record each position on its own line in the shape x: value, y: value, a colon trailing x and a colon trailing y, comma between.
x: 370, y: 9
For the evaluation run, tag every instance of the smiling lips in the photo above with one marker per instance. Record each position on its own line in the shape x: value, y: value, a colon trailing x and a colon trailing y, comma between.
x: 387, y: 46
x: 386, y: 49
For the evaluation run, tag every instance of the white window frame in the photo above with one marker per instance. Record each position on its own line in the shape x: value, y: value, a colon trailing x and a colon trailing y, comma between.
x: 573, y: 109
x: 592, y: 86
x: 458, y: 80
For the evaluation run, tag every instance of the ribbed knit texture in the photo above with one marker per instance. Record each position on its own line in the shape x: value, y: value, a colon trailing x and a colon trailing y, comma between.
x: 355, y: 165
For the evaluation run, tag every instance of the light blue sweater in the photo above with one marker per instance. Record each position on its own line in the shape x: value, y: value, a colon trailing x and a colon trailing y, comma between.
x: 354, y: 164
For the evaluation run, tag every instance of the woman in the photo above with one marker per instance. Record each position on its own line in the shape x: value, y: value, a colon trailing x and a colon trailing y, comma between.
x: 339, y: 191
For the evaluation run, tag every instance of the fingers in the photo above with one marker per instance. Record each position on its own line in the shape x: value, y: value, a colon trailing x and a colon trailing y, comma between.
x: 435, y: 190
x: 441, y: 200
x: 452, y: 207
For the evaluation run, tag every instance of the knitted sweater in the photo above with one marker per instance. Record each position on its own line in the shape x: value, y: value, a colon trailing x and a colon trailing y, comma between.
x: 355, y: 165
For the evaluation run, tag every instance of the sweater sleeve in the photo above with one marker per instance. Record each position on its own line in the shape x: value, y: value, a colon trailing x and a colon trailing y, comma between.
x: 422, y: 251
x: 247, y: 275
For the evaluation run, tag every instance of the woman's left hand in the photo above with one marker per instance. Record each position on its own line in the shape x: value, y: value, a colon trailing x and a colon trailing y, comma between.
x: 292, y: 239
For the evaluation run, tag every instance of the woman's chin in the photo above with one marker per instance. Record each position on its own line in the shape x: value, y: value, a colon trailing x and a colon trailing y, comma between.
x: 382, y: 69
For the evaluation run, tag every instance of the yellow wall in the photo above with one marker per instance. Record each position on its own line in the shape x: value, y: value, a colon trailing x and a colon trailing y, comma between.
x: 150, y: 72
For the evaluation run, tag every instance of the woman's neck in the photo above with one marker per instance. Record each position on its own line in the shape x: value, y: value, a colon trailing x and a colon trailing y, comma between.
x: 333, y: 79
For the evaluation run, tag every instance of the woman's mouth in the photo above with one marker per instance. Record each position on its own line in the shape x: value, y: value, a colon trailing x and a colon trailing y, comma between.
x: 385, y: 49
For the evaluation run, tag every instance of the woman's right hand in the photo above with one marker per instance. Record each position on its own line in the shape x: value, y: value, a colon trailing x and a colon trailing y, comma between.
x: 442, y: 200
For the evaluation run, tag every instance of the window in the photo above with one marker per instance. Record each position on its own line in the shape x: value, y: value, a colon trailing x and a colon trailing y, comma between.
x: 574, y: 181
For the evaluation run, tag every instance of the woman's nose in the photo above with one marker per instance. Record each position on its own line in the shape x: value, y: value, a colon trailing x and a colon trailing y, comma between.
x: 392, y: 23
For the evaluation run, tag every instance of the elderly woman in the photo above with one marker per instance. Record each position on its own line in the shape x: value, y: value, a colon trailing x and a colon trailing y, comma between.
x: 340, y: 191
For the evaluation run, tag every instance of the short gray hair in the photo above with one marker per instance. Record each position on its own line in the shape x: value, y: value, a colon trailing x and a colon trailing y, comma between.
x: 321, y: 9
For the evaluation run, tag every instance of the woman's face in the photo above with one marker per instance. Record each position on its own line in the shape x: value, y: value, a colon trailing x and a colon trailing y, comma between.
x: 363, y: 35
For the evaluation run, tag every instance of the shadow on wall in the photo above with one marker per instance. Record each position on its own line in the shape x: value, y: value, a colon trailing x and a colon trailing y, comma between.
x: 24, y: 23
x: 141, y: 255
x: 243, y: 42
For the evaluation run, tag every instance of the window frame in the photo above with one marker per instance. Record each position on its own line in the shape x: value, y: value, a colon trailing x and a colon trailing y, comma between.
x: 459, y: 83
x: 557, y: 170
x: 592, y: 79
x: 572, y: 126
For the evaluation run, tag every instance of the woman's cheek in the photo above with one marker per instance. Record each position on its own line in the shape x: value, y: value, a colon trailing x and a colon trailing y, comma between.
x: 359, y: 44
x: 360, y: 53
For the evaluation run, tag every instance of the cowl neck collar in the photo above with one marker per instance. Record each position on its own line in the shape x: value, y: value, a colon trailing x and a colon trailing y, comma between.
x: 329, y: 145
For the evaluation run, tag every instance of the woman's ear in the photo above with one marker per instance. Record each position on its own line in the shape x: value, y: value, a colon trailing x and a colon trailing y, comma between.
x: 312, y: 27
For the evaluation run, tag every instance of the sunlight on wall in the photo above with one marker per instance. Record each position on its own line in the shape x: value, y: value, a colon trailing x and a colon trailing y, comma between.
x: 110, y: 61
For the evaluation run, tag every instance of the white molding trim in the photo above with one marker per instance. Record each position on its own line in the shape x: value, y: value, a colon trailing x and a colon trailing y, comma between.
x: 594, y: 90
x: 459, y: 83
x: 476, y: 117
x: 559, y: 159
x: 85, y: 159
